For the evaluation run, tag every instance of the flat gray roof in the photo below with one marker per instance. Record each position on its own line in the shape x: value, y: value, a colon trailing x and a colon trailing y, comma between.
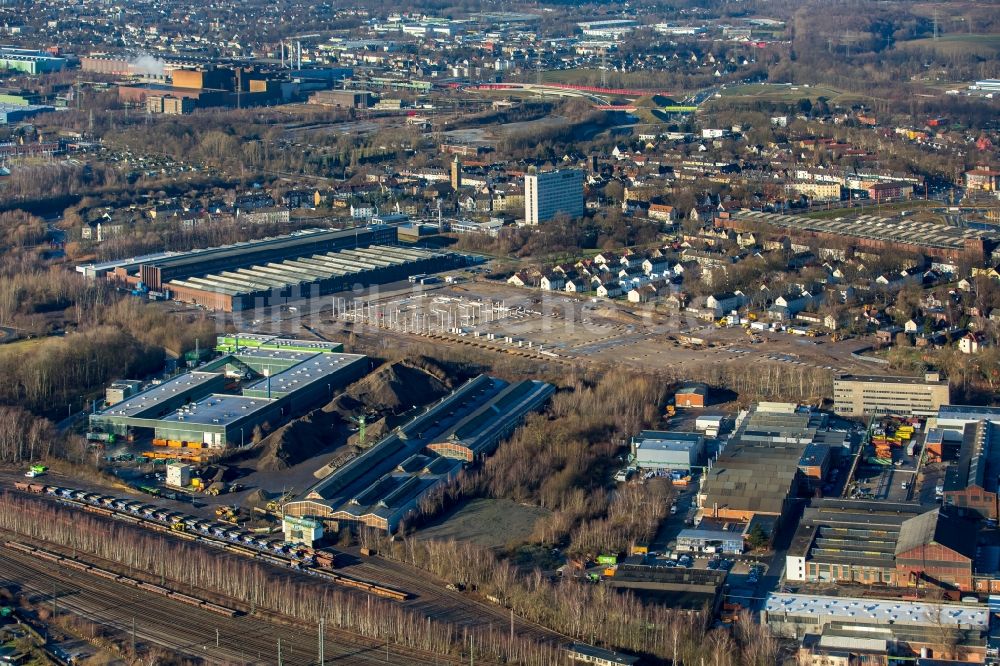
x: 901, y: 230
x: 874, y: 611
x: 878, y: 379
x: 308, y: 371
x: 216, y: 409
x: 305, y: 269
x: 677, y: 444
x: 157, y: 395
x: 971, y: 412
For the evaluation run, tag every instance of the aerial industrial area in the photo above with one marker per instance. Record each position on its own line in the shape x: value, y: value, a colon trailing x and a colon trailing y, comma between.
x: 495, y: 333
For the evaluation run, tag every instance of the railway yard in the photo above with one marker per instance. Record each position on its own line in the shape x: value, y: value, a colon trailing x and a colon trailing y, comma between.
x: 87, y: 589
x: 171, y: 624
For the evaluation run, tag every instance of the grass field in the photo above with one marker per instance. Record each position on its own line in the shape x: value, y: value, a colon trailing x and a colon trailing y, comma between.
x: 18, y: 347
x: 486, y: 522
x: 781, y: 93
x: 983, y: 46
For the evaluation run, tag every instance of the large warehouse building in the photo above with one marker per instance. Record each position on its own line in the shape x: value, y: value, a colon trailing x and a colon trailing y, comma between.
x: 897, y: 627
x: 192, y: 411
x: 30, y: 61
x: 654, y: 449
x: 869, y: 233
x: 898, y: 544
x: 386, y: 483
x: 276, y: 270
x: 758, y: 471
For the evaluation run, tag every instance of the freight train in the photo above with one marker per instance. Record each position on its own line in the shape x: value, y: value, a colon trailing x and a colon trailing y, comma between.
x: 71, y: 563
x: 319, y: 563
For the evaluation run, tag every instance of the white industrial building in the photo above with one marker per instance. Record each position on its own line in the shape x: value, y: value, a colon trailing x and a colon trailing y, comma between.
x: 178, y: 475
x: 710, y: 541
x: 298, y: 529
x: 953, y: 418
x: 784, y: 612
x: 549, y: 193
x: 658, y: 450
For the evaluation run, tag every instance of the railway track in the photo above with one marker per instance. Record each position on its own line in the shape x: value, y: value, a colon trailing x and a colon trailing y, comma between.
x: 191, y: 631
x: 396, y: 581
x: 175, y: 524
x: 464, y: 609
x: 79, y: 565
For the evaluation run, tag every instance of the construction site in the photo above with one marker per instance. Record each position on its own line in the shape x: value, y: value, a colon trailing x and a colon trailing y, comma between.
x: 566, y: 329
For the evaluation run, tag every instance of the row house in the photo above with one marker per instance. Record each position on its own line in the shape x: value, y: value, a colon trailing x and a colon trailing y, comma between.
x: 791, y: 303
x: 651, y: 291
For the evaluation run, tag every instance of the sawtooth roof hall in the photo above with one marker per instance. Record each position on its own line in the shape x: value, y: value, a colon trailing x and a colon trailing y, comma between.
x: 384, y: 484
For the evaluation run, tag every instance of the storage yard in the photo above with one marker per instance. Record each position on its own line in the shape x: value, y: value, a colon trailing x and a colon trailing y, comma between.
x: 183, y: 629
x: 226, y: 536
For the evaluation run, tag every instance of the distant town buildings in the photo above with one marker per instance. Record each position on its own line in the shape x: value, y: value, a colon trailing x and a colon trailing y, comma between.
x: 29, y: 61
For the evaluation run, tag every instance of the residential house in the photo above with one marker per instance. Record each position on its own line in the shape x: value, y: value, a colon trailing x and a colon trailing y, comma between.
x: 723, y: 303
x: 662, y: 212
x: 647, y: 292
x: 525, y: 278
x: 707, y: 259
x: 972, y: 343
x: 790, y: 304
x: 887, y: 335
x: 989, y: 271
x: 631, y: 260
x: 834, y: 322
x: 577, y: 285
x: 891, y: 281
x: 610, y: 289
x: 676, y: 301
x: 631, y: 272
x: 778, y: 244
x: 552, y: 282
x: 655, y: 266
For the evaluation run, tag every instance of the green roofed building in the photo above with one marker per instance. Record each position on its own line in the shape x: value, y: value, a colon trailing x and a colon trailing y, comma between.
x: 280, y: 378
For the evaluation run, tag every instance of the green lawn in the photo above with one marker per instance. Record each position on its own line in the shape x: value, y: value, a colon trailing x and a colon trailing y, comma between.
x: 781, y: 93
x: 20, y: 346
